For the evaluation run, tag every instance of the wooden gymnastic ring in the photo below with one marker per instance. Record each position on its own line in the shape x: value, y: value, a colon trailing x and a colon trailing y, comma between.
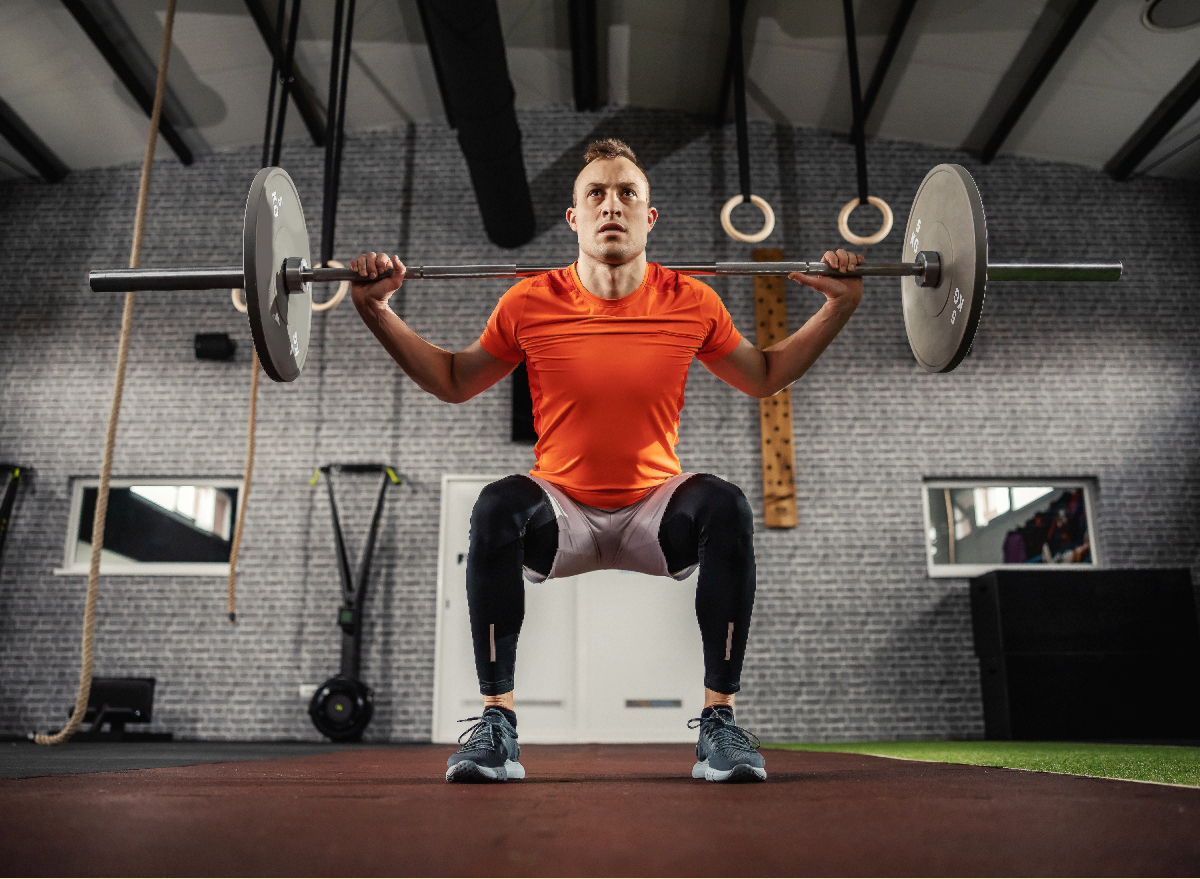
x: 238, y: 302
x: 884, y: 228
x: 768, y: 219
x: 343, y: 288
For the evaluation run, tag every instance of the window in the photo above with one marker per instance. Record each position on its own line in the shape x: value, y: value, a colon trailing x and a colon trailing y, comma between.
x: 155, y: 526
x: 975, y: 526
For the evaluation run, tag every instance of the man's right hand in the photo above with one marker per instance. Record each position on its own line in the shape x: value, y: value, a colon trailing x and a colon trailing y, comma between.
x: 368, y: 266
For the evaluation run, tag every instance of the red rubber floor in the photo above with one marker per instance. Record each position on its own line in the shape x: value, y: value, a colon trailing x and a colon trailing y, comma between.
x: 609, y: 810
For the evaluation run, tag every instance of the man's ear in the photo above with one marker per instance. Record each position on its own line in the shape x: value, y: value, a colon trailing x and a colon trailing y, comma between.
x: 653, y: 216
x: 571, y: 218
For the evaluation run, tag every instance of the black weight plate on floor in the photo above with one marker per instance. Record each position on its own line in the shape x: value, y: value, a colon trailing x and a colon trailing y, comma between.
x: 341, y: 708
x: 274, y: 229
x: 947, y: 216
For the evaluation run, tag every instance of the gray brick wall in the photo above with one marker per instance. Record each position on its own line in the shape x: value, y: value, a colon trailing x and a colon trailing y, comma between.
x: 851, y: 638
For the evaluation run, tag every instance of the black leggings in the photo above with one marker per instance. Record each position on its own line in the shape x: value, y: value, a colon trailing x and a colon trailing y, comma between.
x: 707, y: 522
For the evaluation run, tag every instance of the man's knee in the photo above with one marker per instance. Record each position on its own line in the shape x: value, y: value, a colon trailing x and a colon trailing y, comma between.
x: 503, y: 508
x: 723, y: 505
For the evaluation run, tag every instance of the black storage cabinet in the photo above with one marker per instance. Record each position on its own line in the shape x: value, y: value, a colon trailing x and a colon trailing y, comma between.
x: 1088, y: 655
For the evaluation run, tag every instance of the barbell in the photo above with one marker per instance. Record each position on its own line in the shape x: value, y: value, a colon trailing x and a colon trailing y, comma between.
x: 943, y: 272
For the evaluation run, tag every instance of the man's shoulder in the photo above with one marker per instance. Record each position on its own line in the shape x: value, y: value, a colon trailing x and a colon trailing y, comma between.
x: 551, y: 282
x: 669, y: 279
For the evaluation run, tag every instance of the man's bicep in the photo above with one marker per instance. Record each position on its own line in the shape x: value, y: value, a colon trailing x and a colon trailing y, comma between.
x: 745, y: 368
x: 475, y: 370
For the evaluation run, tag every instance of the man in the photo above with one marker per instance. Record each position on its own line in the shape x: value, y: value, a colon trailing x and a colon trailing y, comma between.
x: 607, y: 342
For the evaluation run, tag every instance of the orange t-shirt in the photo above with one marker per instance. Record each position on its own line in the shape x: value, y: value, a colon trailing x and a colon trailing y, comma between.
x: 607, y: 375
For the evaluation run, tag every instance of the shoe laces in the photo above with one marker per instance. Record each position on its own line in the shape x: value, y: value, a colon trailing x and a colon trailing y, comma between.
x: 483, y: 735
x: 724, y: 735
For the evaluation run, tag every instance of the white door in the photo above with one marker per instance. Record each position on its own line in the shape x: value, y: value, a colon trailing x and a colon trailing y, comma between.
x: 610, y: 656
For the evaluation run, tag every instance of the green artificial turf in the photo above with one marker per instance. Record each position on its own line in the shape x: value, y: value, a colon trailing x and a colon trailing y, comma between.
x: 1168, y: 764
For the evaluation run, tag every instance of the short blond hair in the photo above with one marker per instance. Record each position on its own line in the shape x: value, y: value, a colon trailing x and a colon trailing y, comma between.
x: 611, y: 148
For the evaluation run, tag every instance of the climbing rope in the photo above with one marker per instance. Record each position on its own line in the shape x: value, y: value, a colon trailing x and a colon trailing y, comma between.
x: 252, y: 420
x: 135, y: 257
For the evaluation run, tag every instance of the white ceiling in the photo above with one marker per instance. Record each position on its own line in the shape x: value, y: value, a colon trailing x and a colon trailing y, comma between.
x: 665, y: 54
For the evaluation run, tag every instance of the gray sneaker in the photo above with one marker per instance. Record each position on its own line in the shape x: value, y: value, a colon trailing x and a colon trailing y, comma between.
x: 490, y: 752
x: 725, y: 752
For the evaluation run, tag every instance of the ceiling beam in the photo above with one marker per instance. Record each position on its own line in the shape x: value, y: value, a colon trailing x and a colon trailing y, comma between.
x: 895, y: 33
x: 29, y: 145
x: 585, y: 60
x: 1051, y: 35
x: 302, y: 93
x: 1158, y: 125
x: 467, y: 42
x: 119, y: 55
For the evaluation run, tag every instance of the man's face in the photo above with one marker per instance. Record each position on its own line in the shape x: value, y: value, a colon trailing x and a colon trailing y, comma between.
x: 611, y: 215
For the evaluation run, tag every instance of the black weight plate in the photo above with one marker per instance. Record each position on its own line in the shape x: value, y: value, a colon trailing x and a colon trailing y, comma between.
x: 341, y: 708
x: 947, y: 216
x: 274, y: 229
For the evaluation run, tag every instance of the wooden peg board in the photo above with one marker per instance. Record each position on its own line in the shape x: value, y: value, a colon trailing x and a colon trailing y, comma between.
x: 775, y: 421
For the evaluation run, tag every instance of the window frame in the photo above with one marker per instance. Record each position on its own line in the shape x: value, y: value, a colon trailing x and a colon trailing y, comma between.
x: 1059, y: 483
x: 71, y: 567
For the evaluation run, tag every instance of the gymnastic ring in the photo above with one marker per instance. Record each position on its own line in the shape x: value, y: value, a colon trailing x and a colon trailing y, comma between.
x: 343, y: 287
x: 768, y: 219
x: 337, y: 297
x: 884, y: 227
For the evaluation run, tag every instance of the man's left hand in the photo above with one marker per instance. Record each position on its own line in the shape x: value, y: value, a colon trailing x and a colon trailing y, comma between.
x: 846, y: 292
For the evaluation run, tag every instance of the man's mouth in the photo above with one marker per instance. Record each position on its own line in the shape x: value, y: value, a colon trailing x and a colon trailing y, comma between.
x: 612, y: 227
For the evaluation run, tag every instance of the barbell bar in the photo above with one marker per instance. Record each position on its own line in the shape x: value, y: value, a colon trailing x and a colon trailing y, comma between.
x: 123, y: 280
x: 943, y: 273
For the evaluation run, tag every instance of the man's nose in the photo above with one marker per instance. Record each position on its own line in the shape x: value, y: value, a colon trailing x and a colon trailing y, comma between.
x: 611, y: 206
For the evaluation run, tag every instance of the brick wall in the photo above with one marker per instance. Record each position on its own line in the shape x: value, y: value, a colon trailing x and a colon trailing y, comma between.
x: 851, y: 638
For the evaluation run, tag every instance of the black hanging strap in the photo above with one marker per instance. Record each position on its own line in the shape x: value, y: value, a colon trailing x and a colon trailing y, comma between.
x: 857, y: 132
x: 339, y: 68
x: 737, y: 12
x: 285, y: 81
x: 281, y: 74
x: 276, y: 52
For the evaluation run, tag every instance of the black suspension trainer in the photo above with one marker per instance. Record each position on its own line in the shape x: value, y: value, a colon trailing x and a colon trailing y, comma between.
x: 342, y: 707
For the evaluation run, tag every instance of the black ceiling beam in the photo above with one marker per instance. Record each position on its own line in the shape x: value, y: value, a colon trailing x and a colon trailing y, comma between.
x: 895, y: 34
x: 123, y: 67
x: 585, y: 60
x: 1158, y: 125
x: 467, y: 41
x: 302, y: 93
x: 1069, y: 21
x: 29, y: 145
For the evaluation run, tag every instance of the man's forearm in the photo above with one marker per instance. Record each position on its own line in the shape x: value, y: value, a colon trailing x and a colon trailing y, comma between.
x: 431, y: 367
x: 788, y: 360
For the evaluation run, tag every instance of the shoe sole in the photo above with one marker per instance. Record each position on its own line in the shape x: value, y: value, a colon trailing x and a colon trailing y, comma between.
x: 469, y: 771
x: 739, y: 773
